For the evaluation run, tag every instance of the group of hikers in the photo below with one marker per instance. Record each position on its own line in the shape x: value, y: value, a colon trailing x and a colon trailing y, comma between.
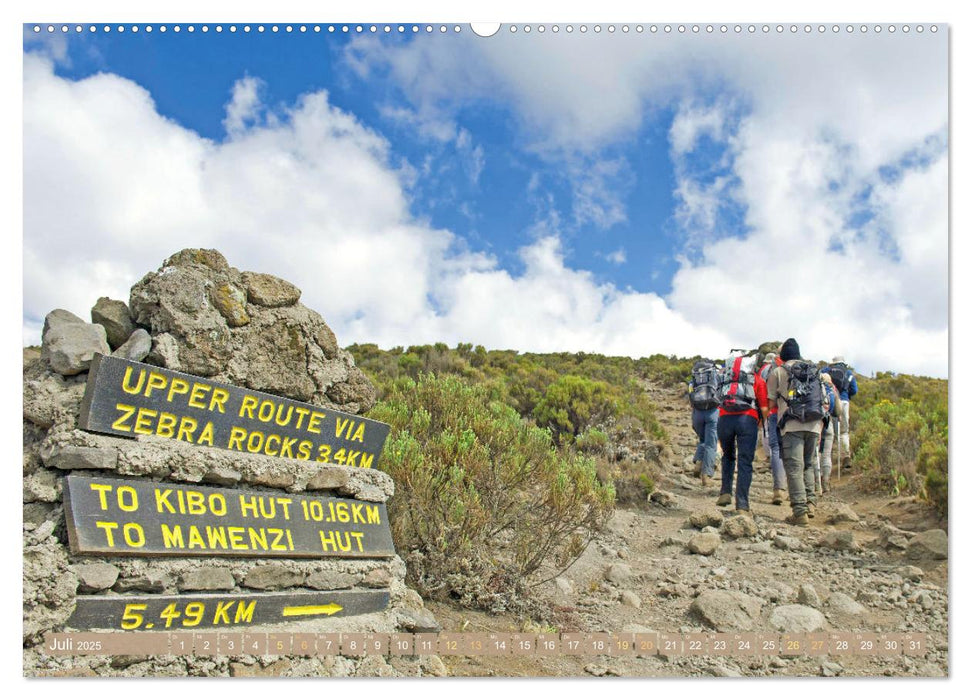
x: 800, y: 411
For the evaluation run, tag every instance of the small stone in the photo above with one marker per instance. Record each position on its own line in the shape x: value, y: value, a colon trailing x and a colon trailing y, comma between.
x: 328, y: 479
x: 272, y: 577
x: 216, y: 578
x: 726, y: 610
x: 930, y: 544
x: 830, y: 669
x: 230, y: 301
x: 784, y: 542
x: 257, y: 670
x: 434, y: 666
x: 630, y: 598
x: 331, y: 580
x: 269, y: 291
x: 797, y: 619
x: 840, y: 540
x: 618, y: 573
x: 706, y: 517
x: 223, y: 476
x: 70, y: 457
x: 137, y: 347
x: 704, y: 543
x: 115, y: 318
x: 377, y: 578
x: 418, y: 620
x: 842, y: 513
x: 739, y: 526
x: 911, y: 573
x: 147, y: 584
x: 95, y: 577
x: 69, y: 344
x: 843, y: 604
x: 564, y: 586
x: 808, y: 596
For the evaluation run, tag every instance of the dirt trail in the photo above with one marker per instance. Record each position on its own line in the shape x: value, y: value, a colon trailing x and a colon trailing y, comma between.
x: 850, y: 570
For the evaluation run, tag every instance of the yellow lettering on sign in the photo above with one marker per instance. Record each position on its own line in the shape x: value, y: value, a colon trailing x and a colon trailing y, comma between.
x: 257, y: 538
x: 222, y: 612
x: 358, y: 435
x: 247, y: 406
x: 301, y: 414
x: 120, y: 423
x: 172, y: 537
x: 143, y: 421
x: 109, y: 529
x: 132, y: 498
x: 373, y: 515
x: 156, y: 380
x: 313, y: 425
x: 244, y: 612
x: 186, y: 428
x: 236, y: 436
x: 236, y: 538
x: 126, y: 382
x: 205, y: 438
x: 216, y: 537
x: 178, y: 386
x: 102, y: 489
x: 166, y: 425
x: 218, y: 400
x: 195, y: 538
x: 134, y: 535
x: 197, y: 395
x: 366, y: 460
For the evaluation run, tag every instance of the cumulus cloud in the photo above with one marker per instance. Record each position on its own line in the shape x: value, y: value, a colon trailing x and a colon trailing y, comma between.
x: 309, y: 195
x: 833, y: 150
x: 851, y: 260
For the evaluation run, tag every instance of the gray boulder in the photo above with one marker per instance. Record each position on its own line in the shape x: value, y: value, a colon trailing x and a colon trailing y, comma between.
x: 840, y: 540
x: 210, y: 319
x: 726, y: 610
x: 115, y: 318
x: 842, y: 604
x: 930, y: 544
x: 137, y: 347
x: 69, y: 344
x: 704, y: 543
x: 706, y: 517
x: 797, y: 619
x: 739, y: 526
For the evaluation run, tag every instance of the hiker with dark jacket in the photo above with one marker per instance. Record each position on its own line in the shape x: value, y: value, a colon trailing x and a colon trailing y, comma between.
x: 772, y: 435
x: 845, y: 383
x: 704, y: 399
x: 796, y: 390
x: 743, y: 405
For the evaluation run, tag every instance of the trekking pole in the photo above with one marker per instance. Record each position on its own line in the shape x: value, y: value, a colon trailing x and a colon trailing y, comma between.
x: 839, y: 454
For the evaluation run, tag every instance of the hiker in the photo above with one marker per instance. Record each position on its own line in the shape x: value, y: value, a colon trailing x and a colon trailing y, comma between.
x: 796, y: 390
x: 743, y: 405
x: 771, y: 427
x: 704, y: 398
x: 830, y: 422
x: 845, y: 384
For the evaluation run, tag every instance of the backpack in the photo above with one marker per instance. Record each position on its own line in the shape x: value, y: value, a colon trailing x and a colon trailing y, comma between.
x: 804, y: 401
x: 840, y: 375
x: 704, y: 386
x: 738, y: 385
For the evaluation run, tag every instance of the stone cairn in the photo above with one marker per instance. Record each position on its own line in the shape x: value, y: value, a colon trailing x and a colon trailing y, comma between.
x: 200, y: 316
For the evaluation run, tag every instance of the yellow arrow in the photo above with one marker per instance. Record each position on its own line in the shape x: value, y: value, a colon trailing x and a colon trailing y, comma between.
x: 294, y: 610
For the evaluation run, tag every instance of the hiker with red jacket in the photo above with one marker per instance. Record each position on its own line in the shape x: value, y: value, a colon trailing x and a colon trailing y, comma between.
x: 743, y: 404
x: 772, y: 435
x: 797, y: 391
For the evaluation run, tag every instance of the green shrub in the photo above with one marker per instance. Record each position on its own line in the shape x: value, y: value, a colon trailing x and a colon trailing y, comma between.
x: 900, y: 435
x: 482, y: 498
x: 572, y: 404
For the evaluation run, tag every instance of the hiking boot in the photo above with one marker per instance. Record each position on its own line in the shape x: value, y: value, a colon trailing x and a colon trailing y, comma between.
x: 743, y: 511
x: 778, y: 496
x: 801, y: 519
x: 811, y: 510
x: 704, y: 480
x: 724, y: 500
x: 826, y: 488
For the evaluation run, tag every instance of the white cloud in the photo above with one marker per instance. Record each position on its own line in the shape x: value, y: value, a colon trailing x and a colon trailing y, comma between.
x: 807, y: 124
x: 244, y: 107
x: 617, y: 257
x: 309, y: 196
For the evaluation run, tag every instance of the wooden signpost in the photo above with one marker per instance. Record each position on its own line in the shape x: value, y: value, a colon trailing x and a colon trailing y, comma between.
x: 149, y: 518
x: 128, y: 399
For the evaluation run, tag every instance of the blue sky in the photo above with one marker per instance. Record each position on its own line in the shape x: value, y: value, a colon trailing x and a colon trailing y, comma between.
x: 626, y: 193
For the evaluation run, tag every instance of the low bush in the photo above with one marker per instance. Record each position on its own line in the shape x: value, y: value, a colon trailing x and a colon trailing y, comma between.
x: 483, y: 499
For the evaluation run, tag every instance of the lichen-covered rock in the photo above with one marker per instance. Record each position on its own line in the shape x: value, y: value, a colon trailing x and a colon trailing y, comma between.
x: 930, y: 544
x: 266, y: 290
x: 69, y: 344
x: 116, y: 319
x: 739, y: 526
x: 203, y: 322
